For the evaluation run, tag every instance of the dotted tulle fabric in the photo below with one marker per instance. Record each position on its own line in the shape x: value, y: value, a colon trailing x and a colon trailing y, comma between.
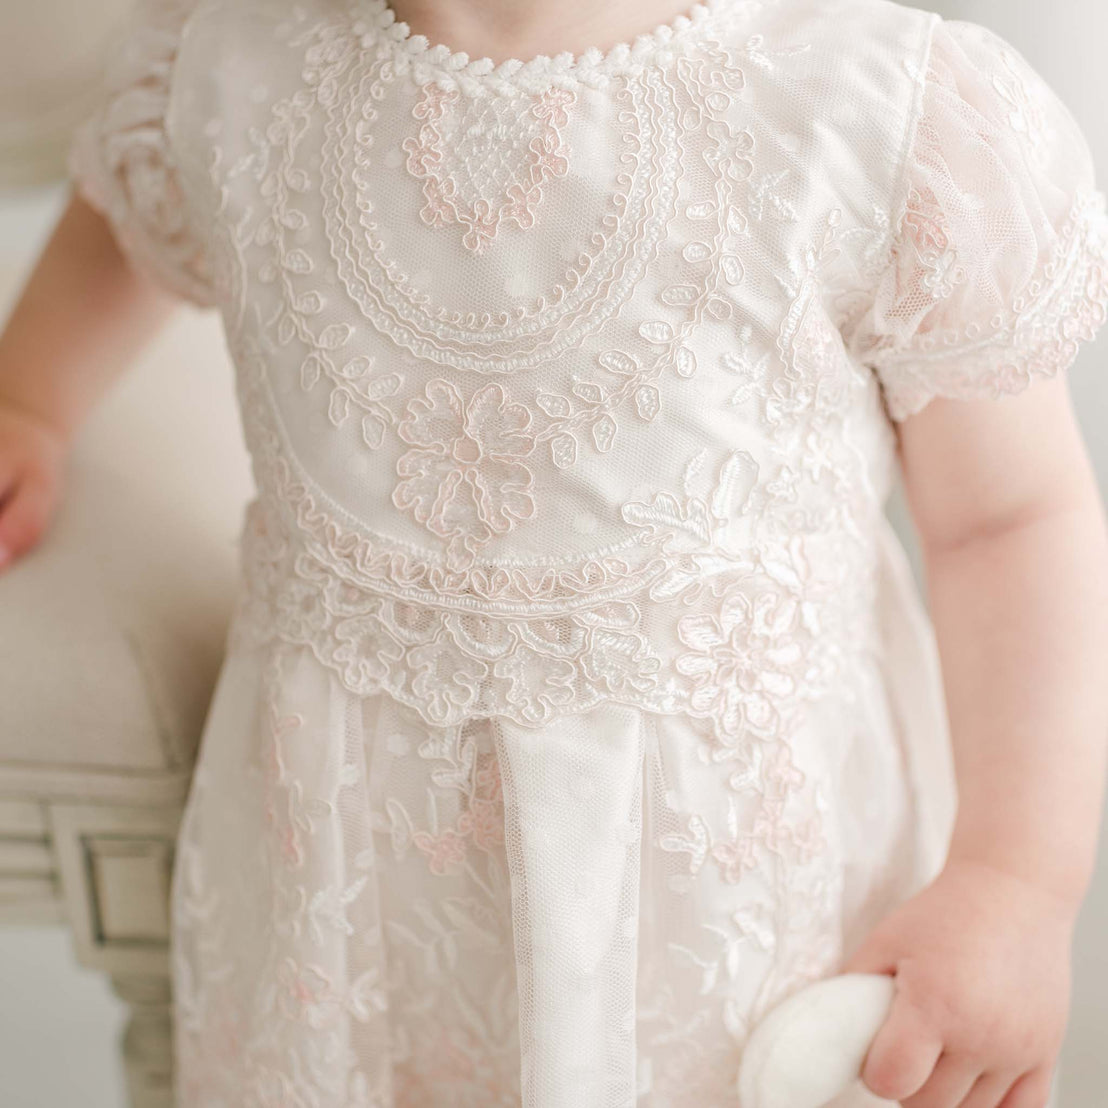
x: 578, y: 705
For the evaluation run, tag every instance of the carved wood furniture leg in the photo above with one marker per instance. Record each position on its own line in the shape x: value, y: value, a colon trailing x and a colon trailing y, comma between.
x: 148, y: 1040
x: 115, y: 863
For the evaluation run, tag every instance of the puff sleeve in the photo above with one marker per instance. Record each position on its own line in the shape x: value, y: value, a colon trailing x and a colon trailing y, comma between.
x: 121, y: 161
x: 999, y: 261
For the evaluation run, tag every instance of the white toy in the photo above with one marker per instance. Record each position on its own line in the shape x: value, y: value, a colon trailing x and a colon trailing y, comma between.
x: 810, y: 1048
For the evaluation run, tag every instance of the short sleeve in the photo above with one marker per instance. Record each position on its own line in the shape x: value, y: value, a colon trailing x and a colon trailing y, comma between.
x: 121, y: 161
x: 999, y: 260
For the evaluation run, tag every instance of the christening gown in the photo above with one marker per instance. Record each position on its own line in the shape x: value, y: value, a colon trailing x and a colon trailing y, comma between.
x: 579, y: 704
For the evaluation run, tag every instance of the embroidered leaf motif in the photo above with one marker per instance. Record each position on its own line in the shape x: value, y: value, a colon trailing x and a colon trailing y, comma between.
x: 680, y: 295
x: 563, y: 450
x: 709, y: 970
x: 732, y: 268
x: 695, y: 842
x: 356, y: 367
x: 588, y: 390
x: 376, y: 388
x: 603, y: 432
x: 286, y: 330
x: 334, y: 336
x: 656, y: 331
x: 311, y: 303
x: 692, y: 467
x: 373, y: 431
x: 400, y: 826
x: 697, y: 252
x: 685, y: 361
x: 647, y: 401
x: 339, y: 407
x: 736, y: 222
x: 557, y: 407
x: 297, y: 261
x: 619, y: 362
x: 309, y: 371
x: 737, y: 477
x: 676, y: 581
x: 666, y: 513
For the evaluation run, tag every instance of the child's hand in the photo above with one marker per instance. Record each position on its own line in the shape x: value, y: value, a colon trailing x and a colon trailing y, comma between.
x: 982, y: 964
x: 32, y: 457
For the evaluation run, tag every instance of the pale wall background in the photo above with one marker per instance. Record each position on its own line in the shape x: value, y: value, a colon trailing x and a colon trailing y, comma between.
x: 58, y: 1023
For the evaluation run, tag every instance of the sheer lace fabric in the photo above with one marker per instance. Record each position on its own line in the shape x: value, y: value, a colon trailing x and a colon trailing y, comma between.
x: 578, y: 705
x: 998, y: 272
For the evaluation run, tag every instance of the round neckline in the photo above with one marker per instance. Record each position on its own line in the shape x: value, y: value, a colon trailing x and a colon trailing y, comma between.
x: 437, y: 62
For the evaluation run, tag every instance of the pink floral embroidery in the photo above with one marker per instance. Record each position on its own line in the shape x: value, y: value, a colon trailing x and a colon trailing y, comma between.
x: 936, y: 266
x: 306, y: 994
x: 485, y: 822
x: 464, y: 478
x: 736, y: 857
x: 444, y: 849
x: 485, y: 161
x: 741, y: 660
x: 484, y: 819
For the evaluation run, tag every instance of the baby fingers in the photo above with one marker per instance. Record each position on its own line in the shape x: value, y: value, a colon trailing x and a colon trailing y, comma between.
x: 948, y: 1086
x: 991, y: 1089
x: 903, y: 1055
x: 24, y: 514
x: 1030, y: 1091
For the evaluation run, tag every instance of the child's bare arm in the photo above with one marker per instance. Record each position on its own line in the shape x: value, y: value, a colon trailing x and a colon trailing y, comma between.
x: 1016, y: 551
x: 83, y: 314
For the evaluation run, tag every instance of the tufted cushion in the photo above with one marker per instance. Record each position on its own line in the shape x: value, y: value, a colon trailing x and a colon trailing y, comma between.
x: 112, y: 629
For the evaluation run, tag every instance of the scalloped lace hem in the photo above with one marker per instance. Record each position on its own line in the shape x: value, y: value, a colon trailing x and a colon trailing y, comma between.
x: 1040, y: 340
x: 743, y: 662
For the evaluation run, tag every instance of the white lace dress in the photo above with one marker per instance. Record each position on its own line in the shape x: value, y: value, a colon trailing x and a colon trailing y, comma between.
x: 579, y: 705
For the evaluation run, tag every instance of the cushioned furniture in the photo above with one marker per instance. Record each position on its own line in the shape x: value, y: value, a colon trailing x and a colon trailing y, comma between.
x: 111, y: 634
x: 50, y: 65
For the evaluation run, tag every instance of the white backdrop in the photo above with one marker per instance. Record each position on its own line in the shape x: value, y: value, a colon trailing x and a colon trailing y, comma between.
x: 50, y: 1011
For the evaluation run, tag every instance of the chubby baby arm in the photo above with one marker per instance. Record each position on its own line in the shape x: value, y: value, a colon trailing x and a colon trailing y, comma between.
x: 1016, y: 553
x: 81, y: 317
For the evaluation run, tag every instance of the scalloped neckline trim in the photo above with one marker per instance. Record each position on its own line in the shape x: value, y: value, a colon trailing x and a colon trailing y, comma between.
x: 450, y: 68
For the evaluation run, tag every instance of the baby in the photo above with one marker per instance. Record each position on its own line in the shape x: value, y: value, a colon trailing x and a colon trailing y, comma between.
x: 577, y: 707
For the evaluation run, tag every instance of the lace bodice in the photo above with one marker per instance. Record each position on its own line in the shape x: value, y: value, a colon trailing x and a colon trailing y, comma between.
x: 577, y: 380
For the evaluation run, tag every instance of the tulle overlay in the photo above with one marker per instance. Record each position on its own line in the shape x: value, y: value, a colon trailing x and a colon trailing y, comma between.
x: 378, y: 907
x: 579, y: 704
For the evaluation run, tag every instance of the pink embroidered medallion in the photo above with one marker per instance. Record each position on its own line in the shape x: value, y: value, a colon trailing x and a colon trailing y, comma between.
x: 485, y: 160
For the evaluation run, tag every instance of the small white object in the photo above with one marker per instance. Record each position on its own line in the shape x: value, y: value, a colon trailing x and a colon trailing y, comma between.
x: 810, y: 1048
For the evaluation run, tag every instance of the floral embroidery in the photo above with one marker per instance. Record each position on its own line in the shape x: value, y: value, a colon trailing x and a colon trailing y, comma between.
x: 938, y: 268
x: 742, y: 659
x: 485, y: 161
x: 442, y: 850
x: 463, y: 478
x: 480, y: 822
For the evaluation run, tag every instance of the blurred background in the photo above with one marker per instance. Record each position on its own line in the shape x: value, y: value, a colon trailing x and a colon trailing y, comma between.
x: 60, y: 1023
